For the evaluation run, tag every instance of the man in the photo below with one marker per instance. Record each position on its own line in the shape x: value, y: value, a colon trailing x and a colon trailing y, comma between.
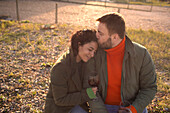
x: 126, y: 70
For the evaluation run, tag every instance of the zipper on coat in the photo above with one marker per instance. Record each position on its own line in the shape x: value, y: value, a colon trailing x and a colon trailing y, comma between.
x: 123, y: 74
x: 106, y: 77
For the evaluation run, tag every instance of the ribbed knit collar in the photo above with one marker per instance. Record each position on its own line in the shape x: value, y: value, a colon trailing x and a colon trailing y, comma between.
x: 119, y: 48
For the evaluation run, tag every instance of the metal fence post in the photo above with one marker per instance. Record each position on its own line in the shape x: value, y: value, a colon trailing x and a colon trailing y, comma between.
x: 151, y: 7
x: 56, y: 14
x: 17, y: 10
x: 128, y: 4
x: 118, y: 10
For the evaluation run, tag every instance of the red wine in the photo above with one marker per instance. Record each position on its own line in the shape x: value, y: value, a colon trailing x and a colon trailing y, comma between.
x: 93, y: 81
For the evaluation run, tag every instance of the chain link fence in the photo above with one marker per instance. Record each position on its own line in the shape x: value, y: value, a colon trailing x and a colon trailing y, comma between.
x: 145, y: 5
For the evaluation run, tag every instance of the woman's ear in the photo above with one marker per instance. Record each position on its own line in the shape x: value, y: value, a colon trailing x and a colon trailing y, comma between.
x: 79, y: 44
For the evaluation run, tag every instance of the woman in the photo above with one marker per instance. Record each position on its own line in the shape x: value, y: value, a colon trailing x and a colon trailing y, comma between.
x: 66, y: 92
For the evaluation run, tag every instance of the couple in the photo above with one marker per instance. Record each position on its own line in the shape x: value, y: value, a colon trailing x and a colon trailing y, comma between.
x: 126, y: 72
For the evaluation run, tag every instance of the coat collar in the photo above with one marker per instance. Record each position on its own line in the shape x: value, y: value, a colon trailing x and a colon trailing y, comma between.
x: 129, y: 47
x: 69, y: 60
x: 75, y: 75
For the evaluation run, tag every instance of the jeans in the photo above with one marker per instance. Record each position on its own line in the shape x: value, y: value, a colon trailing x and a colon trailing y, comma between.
x: 114, y: 109
x: 77, y: 109
x: 110, y: 108
x: 145, y: 111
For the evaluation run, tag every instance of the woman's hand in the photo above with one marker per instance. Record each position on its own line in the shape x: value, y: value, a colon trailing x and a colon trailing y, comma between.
x: 94, y: 89
x: 124, y: 110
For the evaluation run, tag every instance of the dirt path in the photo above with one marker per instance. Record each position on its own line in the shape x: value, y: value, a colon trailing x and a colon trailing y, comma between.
x: 85, y: 15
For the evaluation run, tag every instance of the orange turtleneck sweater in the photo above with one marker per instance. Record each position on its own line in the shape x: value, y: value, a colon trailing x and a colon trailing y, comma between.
x: 114, y: 68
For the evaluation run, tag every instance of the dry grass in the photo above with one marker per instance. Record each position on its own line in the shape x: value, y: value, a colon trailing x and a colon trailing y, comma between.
x: 28, y: 51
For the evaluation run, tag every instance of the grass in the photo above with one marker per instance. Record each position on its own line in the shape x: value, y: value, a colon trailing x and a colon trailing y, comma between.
x: 24, y: 47
x: 27, y: 51
x: 157, y: 43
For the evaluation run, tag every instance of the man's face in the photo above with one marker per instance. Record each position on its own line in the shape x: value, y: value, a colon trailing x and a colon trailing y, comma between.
x: 104, y: 39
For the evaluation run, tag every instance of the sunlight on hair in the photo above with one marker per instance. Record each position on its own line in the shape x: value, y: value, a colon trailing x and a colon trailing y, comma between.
x: 96, y: 24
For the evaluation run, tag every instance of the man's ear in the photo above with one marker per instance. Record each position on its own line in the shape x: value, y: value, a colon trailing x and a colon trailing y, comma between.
x: 114, y: 36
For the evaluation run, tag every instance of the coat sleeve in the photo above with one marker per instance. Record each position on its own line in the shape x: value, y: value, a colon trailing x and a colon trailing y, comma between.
x: 148, y: 87
x: 59, y: 80
x: 98, y: 105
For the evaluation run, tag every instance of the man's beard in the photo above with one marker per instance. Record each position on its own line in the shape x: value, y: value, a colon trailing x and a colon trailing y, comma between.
x: 107, y: 44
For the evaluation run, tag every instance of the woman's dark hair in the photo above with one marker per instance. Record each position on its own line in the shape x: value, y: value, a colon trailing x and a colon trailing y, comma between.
x: 82, y: 37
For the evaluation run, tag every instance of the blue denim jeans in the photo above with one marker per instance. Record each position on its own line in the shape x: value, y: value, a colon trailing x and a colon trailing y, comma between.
x: 110, y: 108
x: 114, y: 109
x: 77, y: 109
x: 145, y: 111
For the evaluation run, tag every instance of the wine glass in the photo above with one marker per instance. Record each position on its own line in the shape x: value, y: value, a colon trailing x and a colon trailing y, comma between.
x: 93, y: 80
x: 125, y: 104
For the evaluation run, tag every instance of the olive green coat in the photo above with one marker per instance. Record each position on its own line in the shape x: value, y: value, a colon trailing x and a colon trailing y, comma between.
x: 65, y: 89
x: 138, y: 79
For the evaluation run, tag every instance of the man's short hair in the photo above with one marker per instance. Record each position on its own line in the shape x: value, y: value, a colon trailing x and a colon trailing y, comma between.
x: 115, y: 23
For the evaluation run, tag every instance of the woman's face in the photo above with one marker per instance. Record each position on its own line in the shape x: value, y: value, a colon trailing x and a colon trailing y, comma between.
x: 86, y: 51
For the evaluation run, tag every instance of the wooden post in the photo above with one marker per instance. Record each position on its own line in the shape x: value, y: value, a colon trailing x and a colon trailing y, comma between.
x: 56, y: 14
x: 128, y: 5
x: 151, y: 7
x: 105, y: 3
x: 118, y: 10
x: 17, y: 10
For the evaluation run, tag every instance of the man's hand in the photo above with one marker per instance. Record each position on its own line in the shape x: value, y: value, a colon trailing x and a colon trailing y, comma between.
x: 124, y: 110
